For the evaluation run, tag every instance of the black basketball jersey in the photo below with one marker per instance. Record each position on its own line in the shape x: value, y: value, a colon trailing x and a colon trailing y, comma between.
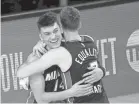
x: 84, y: 53
x: 53, y: 80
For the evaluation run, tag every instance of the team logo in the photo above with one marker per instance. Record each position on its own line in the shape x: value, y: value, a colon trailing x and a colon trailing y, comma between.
x: 132, y: 51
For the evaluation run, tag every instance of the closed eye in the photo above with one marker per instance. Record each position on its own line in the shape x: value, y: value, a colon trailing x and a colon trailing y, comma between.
x: 46, y: 33
x: 55, y: 30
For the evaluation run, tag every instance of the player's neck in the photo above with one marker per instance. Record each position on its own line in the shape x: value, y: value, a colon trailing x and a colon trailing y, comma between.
x: 72, y: 36
x: 48, y: 48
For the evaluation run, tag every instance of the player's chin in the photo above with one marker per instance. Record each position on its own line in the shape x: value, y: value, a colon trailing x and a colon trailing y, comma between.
x: 56, y: 45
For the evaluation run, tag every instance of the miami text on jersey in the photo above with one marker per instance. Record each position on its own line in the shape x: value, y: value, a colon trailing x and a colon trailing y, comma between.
x: 52, y: 75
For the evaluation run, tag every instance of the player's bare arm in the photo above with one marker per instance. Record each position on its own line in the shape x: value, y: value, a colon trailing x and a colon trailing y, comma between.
x: 98, y: 72
x: 30, y: 59
x: 45, y: 97
x: 93, y: 76
x: 59, y: 56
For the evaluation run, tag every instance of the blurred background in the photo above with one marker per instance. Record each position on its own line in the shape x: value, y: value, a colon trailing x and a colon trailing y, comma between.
x: 18, y: 6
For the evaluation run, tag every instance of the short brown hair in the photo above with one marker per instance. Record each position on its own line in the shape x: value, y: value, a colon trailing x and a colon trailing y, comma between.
x: 70, y: 18
x: 47, y: 19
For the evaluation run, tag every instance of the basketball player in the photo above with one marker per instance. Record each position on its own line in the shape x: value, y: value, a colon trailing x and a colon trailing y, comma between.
x: 84, y: 56
x: 47, y: 86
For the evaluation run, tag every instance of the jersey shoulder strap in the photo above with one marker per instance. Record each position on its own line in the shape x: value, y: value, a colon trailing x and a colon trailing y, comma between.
x: 87, y: 38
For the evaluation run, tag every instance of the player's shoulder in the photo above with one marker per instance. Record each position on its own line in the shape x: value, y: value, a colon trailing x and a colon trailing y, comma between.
x: 87, y: 38
x: 56, y: 52
x: 60, y: 50
x: 63, y: 52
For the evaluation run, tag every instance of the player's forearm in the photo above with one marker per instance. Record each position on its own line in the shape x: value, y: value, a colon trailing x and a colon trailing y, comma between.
x: 56, y: 96
x: 19, y: 71
x: 46, y: 61
x: 28, y: 69
x: 39, y: 65
x: 30, y: 59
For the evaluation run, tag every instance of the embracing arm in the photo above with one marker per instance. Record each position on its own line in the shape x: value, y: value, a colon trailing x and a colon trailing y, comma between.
x: 59, y: 56
x: 30, y: 59
x: 37, y: 85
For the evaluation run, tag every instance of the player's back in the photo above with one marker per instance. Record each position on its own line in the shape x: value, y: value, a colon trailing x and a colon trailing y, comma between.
x: 84, y: 53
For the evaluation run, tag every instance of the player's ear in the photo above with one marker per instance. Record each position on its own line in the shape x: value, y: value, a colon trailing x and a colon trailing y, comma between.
x: 40, y: 37
x: 59, y: 23
x: 80, y: 25
x: 61, y: 29
x: 60, y: 26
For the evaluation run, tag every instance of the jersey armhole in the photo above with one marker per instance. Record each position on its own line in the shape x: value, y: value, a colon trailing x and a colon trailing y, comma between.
x: 88, y: 37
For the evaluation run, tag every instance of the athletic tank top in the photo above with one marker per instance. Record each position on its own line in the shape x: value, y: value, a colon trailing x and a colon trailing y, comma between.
x: 84, y: 53
x: 53, y: 80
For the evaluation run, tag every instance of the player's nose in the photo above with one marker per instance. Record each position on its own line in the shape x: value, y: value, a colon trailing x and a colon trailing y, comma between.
x: 53, y: 36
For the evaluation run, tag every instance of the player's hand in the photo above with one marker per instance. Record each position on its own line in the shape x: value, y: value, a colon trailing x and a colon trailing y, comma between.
x: 39, y: 49
x: 93, y: 76
x: 78, y: 90
x: 24, y: 82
